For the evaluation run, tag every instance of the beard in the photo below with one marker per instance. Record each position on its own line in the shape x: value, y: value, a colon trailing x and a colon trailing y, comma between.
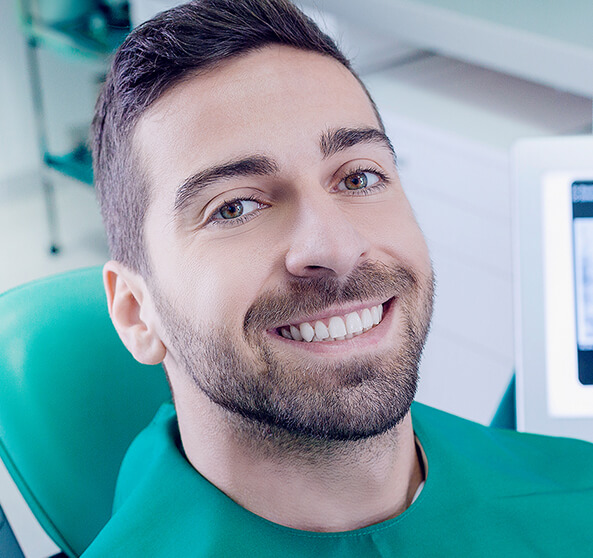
x: 308, y: 396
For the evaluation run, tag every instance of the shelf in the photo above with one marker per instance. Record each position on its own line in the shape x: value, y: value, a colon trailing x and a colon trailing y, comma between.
x: 75, y: 38
x: 91, y: 38
x: 77, y: 164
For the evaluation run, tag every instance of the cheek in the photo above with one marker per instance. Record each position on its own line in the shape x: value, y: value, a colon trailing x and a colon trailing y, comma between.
x: 210, y: 279
x: 226, y: 277
x: 392, y: 228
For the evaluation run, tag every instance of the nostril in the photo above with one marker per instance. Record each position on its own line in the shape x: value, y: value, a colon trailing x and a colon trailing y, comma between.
x: 317, y: 269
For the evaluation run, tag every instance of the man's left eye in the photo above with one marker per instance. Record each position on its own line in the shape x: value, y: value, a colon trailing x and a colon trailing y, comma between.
x: 358, y: 181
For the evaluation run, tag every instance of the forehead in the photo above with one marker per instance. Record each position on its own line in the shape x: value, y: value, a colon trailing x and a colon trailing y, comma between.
x: 276, y: 100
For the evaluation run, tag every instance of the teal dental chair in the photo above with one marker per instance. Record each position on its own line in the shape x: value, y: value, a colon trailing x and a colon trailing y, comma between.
x: 72, y: 399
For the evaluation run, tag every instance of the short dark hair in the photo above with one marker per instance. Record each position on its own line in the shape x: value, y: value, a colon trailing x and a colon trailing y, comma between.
x: 156, y: 56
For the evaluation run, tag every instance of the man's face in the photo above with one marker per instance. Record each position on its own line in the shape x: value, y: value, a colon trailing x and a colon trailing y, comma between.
x: 277, y: 214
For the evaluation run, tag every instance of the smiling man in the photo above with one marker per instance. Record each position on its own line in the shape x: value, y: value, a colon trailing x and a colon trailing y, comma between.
x: 265, y: 253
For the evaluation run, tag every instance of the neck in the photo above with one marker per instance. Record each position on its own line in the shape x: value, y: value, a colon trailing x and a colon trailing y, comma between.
x: 303, y: 483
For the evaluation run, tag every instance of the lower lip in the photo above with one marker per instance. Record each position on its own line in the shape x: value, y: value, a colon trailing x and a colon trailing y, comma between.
x: 369, y: 339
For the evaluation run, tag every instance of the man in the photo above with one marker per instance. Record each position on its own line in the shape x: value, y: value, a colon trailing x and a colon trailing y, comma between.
x: 265, y: 253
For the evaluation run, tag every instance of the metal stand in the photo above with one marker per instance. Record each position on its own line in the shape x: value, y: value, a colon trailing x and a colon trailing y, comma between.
x: 39, y: 114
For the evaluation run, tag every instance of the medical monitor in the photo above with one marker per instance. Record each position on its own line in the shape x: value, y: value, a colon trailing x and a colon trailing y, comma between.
x: 553, y: 265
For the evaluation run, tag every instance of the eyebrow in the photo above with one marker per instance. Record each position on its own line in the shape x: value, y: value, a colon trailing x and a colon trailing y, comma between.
x: 335, y: 140
x: 255, y: 165
x: 331, y: 142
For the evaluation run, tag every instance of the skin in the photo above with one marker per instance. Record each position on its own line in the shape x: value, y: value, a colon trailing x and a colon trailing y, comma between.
x: 276, y: 102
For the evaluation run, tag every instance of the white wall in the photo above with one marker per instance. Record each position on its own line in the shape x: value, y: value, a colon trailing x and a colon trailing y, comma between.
x: 18, y: 152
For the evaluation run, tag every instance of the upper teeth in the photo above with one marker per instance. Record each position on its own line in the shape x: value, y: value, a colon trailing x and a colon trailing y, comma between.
x: 335, y: 328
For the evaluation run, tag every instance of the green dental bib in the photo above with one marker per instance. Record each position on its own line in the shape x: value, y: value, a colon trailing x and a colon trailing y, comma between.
x: 489, y: 493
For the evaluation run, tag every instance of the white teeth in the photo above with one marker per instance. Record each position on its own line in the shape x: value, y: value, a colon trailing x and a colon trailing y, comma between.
x: 353, y: 323
x: 307, y: 331
x: 339, y: 327
x: 375, y: 314
x: 285, y: 333
x: 336, y: 327
x: 321, y: 331
x: 296, y: 334
x: 367, y: 319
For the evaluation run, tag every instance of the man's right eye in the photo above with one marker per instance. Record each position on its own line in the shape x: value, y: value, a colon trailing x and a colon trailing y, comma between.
x: 236, y: 211
x: 231, y: 210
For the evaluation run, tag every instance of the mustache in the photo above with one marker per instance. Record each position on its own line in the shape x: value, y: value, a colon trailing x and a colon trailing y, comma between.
x: 369, y: 280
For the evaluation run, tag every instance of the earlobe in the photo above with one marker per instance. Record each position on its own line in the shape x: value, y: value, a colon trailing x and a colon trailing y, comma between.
x: 132, y: 313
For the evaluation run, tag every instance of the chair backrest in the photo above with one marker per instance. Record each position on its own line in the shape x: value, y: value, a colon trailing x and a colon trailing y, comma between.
x: 506, y: 413
x: 71, y: 400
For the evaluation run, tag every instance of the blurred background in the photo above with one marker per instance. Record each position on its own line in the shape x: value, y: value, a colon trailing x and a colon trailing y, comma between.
x: 457, y: 82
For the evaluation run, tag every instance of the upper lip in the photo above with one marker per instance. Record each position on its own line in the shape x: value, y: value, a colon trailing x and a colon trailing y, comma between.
x: 332, y: 311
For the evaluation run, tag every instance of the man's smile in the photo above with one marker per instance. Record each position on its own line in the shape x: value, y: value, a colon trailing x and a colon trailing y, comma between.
x: 337, y: 327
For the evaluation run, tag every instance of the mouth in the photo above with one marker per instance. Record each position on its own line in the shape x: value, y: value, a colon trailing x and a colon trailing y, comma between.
x: 337, y: 327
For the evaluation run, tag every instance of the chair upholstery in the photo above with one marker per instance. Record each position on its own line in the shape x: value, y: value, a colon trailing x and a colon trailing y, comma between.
x: 72, y: 400
x: 9, y: 547
x: 506, y: 413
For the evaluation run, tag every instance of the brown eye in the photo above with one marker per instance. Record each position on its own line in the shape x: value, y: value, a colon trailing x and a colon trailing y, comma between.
x: 356, y: 181
x: 237, y: 211
x: 231, y: 210
x: 362, y: 181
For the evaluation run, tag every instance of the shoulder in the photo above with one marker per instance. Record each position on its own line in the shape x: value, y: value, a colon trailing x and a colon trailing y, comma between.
x: 154, y: 446
x: 529, y: 461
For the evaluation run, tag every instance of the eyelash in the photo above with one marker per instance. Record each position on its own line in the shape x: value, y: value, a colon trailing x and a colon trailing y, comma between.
x: 379, y: 185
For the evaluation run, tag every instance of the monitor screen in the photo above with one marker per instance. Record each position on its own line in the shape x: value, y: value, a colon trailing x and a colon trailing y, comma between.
x: 582, y: 237
x: 567, y: 233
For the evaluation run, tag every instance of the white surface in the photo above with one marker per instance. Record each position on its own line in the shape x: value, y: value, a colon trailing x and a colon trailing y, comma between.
x: 142, y: 10
x: 24, y: 231
x: 29, y: 534
x: 377, y: 50
x: 18, y: 153
x: 70, y: 89
x: 476, y: 104
x: 545, y: 42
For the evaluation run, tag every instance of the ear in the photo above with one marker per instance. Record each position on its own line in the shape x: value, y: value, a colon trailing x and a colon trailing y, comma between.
x: 132, y: 313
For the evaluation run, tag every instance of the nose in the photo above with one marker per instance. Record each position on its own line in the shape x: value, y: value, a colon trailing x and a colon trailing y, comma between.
x: 324, y: 240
